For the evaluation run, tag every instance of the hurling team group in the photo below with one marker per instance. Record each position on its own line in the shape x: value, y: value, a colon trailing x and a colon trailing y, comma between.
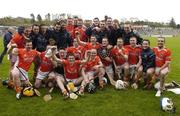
x: 100, y: 54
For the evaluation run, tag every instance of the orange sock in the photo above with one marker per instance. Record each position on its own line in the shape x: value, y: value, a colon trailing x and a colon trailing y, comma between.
x: 18, y: 89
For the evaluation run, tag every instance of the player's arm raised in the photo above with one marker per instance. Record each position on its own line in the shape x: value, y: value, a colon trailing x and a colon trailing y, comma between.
x: 86, y: 59
x: 54, y: 55
x: 78, y: 39
x: 12, y: 48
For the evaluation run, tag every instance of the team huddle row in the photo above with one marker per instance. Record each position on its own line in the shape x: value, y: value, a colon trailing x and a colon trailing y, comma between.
x: 83, y: 62
x: 86, y: 57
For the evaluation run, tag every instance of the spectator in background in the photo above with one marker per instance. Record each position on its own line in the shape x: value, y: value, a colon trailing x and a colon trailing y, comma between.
x: 117, y: 28
x: 61, y: 35
x: 93, y: 28
x: 101, y: 32
x: 128, y: 33
x: 27, y: 31
x: 111, y: 30
x: 39, y: 41
x: 45, y: 32
x: 6, y: 39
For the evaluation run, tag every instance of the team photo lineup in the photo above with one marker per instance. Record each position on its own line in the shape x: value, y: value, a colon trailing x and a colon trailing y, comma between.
x: 78, y: 60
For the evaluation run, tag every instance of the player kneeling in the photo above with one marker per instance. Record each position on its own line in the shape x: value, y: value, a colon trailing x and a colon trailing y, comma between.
x: 46, y: 66
x: 20, y: 72
x: 146, y: 70
x: 120, y: 59
x: 90, y: 71
x: 134, y: 59
x: 163, y: 60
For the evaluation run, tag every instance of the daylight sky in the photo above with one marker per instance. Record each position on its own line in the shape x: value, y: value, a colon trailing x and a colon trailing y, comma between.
x: 152, y: 10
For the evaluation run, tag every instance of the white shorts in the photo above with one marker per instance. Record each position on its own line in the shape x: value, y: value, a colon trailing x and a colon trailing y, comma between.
x: 165, y: 71
x: 91, y: 73
x: 131, y: 68
x: 55, y: 74
x: 41, y: 75
x: 109, y: 69
x: 12, y: 58
x: 71, y: 80
x: 23, y: 74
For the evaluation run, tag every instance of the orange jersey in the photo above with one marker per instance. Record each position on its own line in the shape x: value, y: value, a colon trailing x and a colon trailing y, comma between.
x: 91, y: 63
x: 89, y: 46
x: 117, y: 55
x: 78, y: 52
x: 82, y: 33
x: 162, y: 55
x: 71, y: 71
x: 46, y: 64
x: 26, y: 58
x: 18, y: 40
x: 134, y: 54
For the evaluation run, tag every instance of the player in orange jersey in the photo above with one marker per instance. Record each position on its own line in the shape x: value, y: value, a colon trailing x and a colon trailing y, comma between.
x: 120, y: 59
x: 20, y: 72
x: 163, y: 60
x: 134, y: 58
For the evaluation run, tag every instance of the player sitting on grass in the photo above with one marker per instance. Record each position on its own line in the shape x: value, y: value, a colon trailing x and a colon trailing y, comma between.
x: 92, y: 69
x: 46, y: 66
x: 163, y: 60
x: 57, y: 73
x: 20, y: 72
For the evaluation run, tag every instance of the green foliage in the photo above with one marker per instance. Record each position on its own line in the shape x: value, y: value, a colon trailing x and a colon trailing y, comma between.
x: 151, y: 24
x: 172, y: 23
x: 39, y: 18
x: 32, y: 18
x: 19, y: 21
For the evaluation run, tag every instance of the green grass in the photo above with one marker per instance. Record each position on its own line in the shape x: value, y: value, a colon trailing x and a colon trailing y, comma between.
x: 102, y: 103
